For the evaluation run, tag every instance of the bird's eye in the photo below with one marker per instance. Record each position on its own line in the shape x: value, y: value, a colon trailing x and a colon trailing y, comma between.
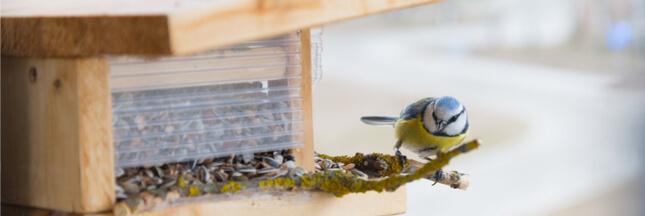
x: 454, y: 118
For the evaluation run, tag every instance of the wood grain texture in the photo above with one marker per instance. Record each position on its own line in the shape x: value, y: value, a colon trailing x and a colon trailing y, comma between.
x: 293, y: 203
x: 87, y: 36
x: 305, y: 155
x: 165, y: 27
x: 57, y: 134
x: 27, y: 211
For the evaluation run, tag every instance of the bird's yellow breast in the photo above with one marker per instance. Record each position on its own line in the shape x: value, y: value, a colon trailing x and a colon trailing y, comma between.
x: 415, y: 136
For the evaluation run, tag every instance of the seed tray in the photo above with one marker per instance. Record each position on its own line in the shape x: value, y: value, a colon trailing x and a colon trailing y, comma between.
x: 232, y: 100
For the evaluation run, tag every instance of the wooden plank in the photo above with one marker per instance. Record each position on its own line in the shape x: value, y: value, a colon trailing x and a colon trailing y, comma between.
x: 153, y: 27
x: 305, y: 156
x: 57, y: 126
x: 87, y: 36
x: 293, y: 203
x: 26, y: 211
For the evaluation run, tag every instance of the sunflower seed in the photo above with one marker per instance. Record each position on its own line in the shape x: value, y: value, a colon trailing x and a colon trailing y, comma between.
x: 247, y: 170
x: 348, y: 167
x: 278, y: 158
x: 202, y: 174
x: 288, y: 164
x: 267, y: 170
x: 358, y: 173
x: 247, y: 157
x: 119, y: 172
x: 272, y: 162
x: 157, y: 171
x: 280, y: 174
x: 237, y: 176
x: 220, y: 175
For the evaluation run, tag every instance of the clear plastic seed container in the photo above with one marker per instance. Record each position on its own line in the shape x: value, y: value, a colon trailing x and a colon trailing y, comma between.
x: 231, y: 100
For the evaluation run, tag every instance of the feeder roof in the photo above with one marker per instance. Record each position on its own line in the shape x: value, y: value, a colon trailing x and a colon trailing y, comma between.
x: 43, y: 28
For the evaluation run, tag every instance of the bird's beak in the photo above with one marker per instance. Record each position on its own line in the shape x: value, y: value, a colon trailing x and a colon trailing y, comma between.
x: 441, y: 125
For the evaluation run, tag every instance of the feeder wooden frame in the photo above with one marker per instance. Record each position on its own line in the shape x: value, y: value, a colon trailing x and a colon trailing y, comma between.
x: 57, y: 149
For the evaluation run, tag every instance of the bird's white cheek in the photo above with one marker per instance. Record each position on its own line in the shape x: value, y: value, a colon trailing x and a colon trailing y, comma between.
x: 452, y: 129
x: 428, y: 121
x: 458, y: 126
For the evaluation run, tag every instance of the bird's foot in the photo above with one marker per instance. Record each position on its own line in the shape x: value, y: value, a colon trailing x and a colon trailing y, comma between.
x: 402, y: 158
x: 438, y: 176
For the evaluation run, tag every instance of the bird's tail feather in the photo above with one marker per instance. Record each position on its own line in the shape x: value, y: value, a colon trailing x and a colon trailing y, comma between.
x: 379, y: 120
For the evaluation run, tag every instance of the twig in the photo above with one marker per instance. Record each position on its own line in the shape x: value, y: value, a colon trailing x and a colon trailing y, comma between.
x: 335, y: 182
x: 453, y: 178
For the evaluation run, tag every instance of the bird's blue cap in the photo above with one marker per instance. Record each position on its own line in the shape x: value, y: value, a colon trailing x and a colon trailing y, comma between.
x: 448, y: 103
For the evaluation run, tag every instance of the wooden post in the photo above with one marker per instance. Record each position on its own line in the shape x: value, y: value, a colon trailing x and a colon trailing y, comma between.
x: 57, y: 150
x: 305, y: 155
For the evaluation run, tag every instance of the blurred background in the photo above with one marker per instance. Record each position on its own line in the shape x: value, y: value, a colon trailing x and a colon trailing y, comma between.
x: 555, y: 88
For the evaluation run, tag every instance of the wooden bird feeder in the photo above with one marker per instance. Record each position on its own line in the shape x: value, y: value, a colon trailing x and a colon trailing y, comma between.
x: 83, y: 83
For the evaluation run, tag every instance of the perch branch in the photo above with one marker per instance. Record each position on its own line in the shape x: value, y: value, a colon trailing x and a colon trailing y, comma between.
x: 453, y: 178
x: 335, y: 182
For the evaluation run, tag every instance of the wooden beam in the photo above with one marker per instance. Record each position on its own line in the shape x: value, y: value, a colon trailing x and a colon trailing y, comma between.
x: 57, y: 150
x: 305, y: 155
x: 167, y: 27
x: 291, y: 203
x: 26, y: 211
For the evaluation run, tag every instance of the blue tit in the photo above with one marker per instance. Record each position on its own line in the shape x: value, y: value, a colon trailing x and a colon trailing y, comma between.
x: 427, y: 127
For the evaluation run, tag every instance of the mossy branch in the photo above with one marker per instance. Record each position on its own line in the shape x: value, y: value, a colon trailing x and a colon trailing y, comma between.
x: 335, y: 182
x: 340, y: 184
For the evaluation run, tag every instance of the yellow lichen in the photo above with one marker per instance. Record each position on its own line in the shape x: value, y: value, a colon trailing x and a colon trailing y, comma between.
x: 394, y: 164
x: 268, y: 184
x: 279, y: 182
x: 306, y: 181
x: 181, y: 182
x: 356, y: 159
x: 231, y: 187
x: 194, y: 191
x: 340, y: 183
x: 288, y: 184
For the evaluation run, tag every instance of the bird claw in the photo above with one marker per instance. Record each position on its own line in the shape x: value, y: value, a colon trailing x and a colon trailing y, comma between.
x: 402, y: 158
x: 438, y: 176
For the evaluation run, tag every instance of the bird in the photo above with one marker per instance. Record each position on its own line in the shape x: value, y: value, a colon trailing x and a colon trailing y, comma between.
x: 427, y: 127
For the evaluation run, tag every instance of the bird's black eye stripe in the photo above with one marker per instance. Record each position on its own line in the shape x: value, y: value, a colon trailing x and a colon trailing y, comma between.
x: 454, y: 118
x: 434, y: 117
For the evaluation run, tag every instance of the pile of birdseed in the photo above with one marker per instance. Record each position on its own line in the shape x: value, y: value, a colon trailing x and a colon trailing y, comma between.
x: 237, y: 168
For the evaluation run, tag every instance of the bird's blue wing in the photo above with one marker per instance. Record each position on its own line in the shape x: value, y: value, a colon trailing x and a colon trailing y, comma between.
x: 413, y: 110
